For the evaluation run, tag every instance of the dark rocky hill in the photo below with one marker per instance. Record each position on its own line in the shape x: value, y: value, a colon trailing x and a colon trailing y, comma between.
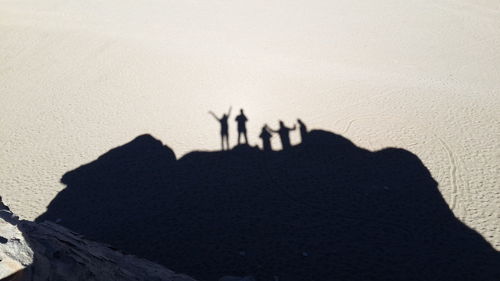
x: 324, y: 210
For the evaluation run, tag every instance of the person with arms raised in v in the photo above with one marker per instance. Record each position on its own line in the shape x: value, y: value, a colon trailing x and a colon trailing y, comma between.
x: 224, y: 127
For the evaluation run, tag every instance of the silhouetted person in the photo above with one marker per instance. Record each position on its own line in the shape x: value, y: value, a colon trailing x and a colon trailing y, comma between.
x: 302, y: 129
x: 266, y: 136
x: 284, y: 133
x: 242, y: 128
x: 224, y: 127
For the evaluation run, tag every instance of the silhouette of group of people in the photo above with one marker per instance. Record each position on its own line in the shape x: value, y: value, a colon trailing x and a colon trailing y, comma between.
x: 266, y: 133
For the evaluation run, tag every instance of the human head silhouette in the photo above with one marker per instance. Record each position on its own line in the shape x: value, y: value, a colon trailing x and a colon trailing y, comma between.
x: 241, y: 111
x: 282, y: 124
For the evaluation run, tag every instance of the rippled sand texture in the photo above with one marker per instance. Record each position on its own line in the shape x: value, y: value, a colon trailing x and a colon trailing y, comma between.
x: 78, y: 78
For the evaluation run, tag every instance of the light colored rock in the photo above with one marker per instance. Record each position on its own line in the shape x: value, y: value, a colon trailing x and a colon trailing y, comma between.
x: 47, y: 251
x: 15, y: 254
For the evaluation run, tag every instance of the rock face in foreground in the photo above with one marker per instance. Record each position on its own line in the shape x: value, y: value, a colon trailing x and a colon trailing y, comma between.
x: 47, y: 251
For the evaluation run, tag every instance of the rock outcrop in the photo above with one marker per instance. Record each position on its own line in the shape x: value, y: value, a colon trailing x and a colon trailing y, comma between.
x: 47, y: 251
x: 324, y: 209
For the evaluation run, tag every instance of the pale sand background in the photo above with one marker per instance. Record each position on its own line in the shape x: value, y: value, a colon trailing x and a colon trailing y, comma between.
x: 78, y: 78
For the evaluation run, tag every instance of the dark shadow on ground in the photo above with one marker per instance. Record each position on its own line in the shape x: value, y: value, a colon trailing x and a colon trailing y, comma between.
x: 323, y: 210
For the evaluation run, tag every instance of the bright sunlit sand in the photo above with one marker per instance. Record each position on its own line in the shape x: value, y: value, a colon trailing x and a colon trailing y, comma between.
x: 78, y: 78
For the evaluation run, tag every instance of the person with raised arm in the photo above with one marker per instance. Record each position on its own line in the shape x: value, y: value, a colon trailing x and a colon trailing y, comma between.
x: 224, y: 127
x: 284, y: 133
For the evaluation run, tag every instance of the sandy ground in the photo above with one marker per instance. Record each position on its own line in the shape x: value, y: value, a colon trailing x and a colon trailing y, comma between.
x: 78, y: 78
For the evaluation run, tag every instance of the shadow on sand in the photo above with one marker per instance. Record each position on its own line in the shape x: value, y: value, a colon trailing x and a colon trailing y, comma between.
x: 323, y: 210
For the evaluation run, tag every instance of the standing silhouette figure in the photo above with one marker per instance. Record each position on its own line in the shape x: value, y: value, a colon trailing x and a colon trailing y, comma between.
x: 266, y: 136
x: 224, y: 127
x: 241, y: 119
x: 284, y: 133
x: 302, y: 129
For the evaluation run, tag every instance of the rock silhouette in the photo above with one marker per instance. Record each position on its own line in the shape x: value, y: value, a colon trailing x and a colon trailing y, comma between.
x: 323, y: 210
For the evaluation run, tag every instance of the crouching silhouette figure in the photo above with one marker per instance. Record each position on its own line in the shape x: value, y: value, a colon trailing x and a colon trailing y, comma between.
x: 266, y: 136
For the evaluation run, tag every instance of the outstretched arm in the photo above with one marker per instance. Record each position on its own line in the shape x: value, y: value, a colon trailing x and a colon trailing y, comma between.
x: 294, y: 127
x: 271, y: 130
x: 229, y: 111
x: 215, y: 116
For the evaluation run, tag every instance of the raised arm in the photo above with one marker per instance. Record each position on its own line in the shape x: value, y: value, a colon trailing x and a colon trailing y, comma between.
x: 229, y: 111
x: 215, y: 116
